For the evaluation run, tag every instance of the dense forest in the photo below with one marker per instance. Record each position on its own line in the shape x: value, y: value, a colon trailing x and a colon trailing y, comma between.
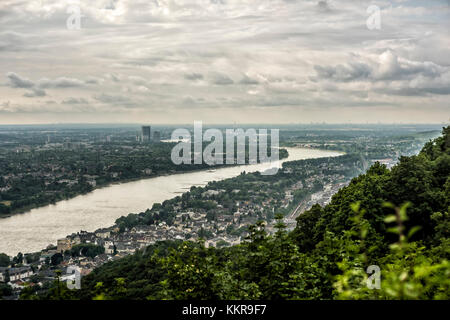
x: 396, y: 220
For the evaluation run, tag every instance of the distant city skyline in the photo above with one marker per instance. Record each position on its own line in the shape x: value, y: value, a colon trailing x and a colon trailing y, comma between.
x: 224, y: 61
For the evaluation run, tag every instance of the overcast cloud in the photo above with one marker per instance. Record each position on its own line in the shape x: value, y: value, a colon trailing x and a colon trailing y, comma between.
x: 244, y: 61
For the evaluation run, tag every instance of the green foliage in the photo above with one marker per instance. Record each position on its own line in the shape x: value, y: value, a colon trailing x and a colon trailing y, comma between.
x: 5, y: 290
x: 86, y: 250
x: 4, y: 260
x: 18, y: 259
x: 57, y: 290
x: 190, y: 273
x: 56, y: 259
x: 394, y: 219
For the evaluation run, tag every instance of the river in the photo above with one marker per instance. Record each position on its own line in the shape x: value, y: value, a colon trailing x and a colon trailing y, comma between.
x: 35, y: 229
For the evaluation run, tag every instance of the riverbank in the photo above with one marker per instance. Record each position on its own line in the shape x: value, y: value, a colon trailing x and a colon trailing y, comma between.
x: 26, y: 209
x: 37, y: 228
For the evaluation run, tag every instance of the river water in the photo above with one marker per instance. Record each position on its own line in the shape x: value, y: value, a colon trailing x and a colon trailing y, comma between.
x: 36, y: 229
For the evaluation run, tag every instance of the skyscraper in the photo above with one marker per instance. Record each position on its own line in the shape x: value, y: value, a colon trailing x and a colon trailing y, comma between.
x: 156, y: 136
x: 146, y: 133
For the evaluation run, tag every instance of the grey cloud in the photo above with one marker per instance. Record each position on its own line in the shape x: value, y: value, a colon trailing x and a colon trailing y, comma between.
x: 222, y: 80
x: 408, y: 91
x: 115, y: 100
x: 18, y: 81
x: 35, y: 92
x: 12, y: 41
x: 72, y: 100
x: 113, y: 77
x: 37, y: 89
x: 323, y: 6
x: 193, y: 76
x: 246, y: 80
x: 349, y: 72
x: 189, y: 101
x: 61, y: 82
x: 93, y: 80
x: 388, y: 66
x: 139, y: 81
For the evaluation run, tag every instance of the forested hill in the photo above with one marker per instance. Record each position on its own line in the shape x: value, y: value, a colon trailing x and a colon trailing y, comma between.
x: 397, y: 220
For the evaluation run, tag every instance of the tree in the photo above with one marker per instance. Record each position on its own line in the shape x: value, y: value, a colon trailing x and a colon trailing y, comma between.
x: 56, y: 259
x: 4, y: 260
x: 5, y: 290
x: 305, y: 233
x: 18, y: 259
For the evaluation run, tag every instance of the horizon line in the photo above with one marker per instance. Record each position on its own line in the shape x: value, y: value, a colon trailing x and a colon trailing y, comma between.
x: 221, y: 124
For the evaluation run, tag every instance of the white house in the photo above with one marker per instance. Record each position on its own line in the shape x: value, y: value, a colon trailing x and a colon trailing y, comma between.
x: 20, y: 273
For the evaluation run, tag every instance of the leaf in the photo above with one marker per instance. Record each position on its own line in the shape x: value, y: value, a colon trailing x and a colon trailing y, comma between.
x: 364, y: 233
x: 393, y: 230
x: 413, y: 231
x: 388, y: 205
x: 355, y: 206
x: 402, y: 211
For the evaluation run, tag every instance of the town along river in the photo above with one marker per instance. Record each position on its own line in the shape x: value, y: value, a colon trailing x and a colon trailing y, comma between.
x: 34, y: 230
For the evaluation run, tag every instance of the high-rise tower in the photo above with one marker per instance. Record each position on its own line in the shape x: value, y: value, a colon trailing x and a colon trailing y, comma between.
x: 156, y: 136
x: 146, y: 133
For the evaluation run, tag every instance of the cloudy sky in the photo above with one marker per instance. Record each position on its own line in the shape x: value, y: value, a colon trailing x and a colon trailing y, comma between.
x: 224, y: 61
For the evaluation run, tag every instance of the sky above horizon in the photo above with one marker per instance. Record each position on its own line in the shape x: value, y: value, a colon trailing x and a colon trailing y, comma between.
x: 224, y: 61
